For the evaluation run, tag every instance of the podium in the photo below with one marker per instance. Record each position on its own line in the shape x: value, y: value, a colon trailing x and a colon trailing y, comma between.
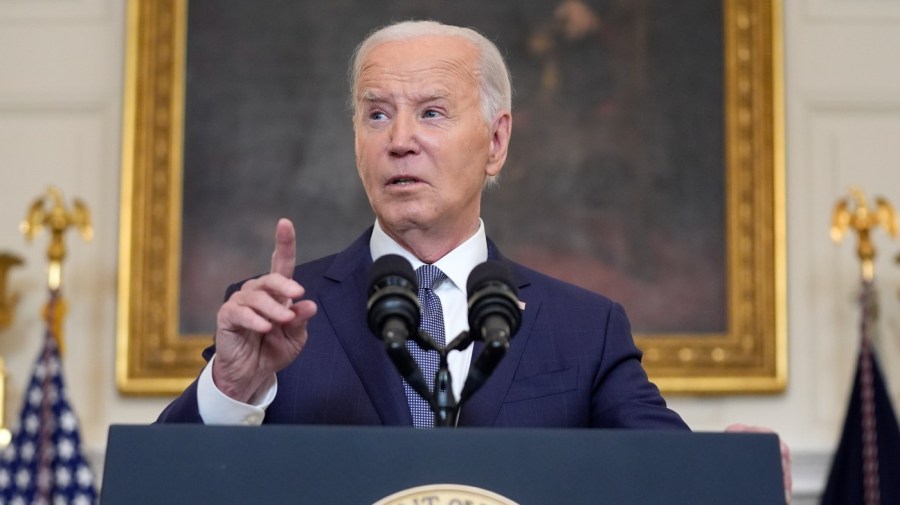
x: 273, y: 465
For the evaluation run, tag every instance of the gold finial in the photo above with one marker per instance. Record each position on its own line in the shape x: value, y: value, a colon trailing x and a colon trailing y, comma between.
x: 7, y: 301
x: 58, y: 220
x: 863, y: 220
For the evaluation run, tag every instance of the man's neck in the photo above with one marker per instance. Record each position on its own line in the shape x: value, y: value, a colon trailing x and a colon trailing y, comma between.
x: 430, y: 246
x: 456, y: 264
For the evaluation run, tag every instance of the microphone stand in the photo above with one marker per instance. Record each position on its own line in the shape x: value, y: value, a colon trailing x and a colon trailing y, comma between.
x: 442, y: 400
x: 393, y: 312
x: 444, y: 404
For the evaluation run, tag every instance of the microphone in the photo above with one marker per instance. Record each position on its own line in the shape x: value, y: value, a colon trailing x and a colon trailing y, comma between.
x: 393, y: 314
x: 393, y: 305
x: 494, y: 317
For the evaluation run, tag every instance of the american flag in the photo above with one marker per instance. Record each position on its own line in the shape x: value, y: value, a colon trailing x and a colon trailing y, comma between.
x: 44, y: 465
x: 867, y: 461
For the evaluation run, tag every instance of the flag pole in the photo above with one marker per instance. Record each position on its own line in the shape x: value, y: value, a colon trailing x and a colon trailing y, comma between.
x: 44, y: 462
x: 48, y: 211
x: 864, y: 220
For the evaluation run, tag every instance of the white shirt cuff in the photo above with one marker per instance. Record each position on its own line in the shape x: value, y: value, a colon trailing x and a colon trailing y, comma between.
x: 218, y: 408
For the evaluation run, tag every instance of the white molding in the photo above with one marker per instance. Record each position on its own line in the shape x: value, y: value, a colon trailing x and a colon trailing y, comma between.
x: 873, y: 11
x: 834, y: 131
x: 96, y: 457
x: 810, y: 472
x: 18, y: 11
x: 10, y: 105
x: 74, y: 146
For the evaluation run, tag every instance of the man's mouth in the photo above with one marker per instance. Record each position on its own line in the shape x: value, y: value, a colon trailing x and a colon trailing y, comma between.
x: 402, y: 180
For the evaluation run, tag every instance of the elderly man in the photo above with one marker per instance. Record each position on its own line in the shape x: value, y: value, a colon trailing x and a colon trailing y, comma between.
x: 432, y: 122
x: 432, y: 125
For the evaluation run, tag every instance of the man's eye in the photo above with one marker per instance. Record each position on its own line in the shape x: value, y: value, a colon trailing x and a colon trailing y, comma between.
x: 377, y: 116
x: 431, y: 113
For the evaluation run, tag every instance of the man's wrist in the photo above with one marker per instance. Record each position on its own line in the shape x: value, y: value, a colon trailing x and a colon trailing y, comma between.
x: 239, y: 388
x: 216, y: 407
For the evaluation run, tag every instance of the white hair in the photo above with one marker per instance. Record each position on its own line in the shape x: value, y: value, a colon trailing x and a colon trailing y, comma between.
x: 494, y: 85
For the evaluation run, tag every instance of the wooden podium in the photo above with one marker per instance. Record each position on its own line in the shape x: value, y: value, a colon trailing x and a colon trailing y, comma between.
x: 273, y: 465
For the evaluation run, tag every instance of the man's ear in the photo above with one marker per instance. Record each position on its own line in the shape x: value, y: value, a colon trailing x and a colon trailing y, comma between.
x: 500, y: 132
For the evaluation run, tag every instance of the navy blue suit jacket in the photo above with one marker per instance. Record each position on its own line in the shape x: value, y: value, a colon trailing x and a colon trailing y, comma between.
x: 573, y: 362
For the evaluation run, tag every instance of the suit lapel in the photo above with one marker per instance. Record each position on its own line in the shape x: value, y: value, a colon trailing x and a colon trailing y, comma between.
x: 483, y: 407
x: 344, y: 303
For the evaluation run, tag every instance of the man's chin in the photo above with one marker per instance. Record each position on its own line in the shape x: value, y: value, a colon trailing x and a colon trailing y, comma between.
x: 404, y: 220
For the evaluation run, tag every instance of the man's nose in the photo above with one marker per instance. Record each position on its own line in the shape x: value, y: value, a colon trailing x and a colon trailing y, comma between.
x: 404, y: 135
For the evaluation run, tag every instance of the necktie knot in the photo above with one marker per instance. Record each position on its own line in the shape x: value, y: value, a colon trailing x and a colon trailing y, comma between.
x: 429, y: 276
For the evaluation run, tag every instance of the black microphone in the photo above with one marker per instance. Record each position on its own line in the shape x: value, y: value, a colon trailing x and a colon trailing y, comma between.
x: 494, y: 317
x: 393, y: 305
x: 393, y: 313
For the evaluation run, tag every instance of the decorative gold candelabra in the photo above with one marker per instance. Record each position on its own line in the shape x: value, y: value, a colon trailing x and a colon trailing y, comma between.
x: 863, y: 220
x: 48, y: 211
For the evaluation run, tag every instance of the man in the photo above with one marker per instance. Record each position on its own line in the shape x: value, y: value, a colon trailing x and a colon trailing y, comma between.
x: 432, y: 122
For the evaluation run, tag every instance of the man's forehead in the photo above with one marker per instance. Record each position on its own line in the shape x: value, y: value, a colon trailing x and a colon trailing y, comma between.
x: 418, y: 72
x: 421, y: 54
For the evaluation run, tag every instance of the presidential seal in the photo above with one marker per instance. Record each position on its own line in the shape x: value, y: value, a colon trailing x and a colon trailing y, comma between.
x: 445, y: 494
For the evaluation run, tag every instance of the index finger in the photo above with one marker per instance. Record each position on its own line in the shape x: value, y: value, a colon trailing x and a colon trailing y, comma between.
x: 285, y: 254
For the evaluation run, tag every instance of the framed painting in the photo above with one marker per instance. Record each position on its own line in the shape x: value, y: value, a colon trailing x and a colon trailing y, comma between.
x: 646, y: 164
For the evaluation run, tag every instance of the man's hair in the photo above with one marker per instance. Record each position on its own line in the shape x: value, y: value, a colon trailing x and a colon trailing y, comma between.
x: 494, y: 85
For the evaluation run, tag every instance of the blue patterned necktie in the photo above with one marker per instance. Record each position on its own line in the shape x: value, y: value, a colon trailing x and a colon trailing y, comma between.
x: 432, y: 321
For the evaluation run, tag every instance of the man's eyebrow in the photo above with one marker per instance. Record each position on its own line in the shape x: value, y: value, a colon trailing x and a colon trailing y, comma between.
x: 370, y: 96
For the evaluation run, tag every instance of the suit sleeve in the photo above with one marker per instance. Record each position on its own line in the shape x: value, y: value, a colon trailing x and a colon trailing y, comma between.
x: 622, y: 394
x: 185, y: 409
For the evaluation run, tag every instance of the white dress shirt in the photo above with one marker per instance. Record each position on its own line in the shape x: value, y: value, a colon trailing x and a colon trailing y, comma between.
x: 217, y: 408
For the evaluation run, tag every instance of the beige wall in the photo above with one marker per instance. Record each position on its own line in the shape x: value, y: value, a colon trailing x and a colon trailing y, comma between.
x: 60, y: 101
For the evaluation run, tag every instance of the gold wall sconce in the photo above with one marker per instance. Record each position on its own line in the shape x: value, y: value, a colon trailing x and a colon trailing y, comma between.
x: 897, y: 260
x: 8, y: 304
x: 8, y: 300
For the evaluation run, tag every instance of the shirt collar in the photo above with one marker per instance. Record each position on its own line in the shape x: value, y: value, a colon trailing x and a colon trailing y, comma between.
x: 456, y: 265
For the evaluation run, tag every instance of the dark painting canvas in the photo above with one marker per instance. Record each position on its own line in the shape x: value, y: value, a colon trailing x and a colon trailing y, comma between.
x: 615, y: 179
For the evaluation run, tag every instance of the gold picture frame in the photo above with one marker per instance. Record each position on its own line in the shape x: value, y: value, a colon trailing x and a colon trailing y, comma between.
x: 749, y: 357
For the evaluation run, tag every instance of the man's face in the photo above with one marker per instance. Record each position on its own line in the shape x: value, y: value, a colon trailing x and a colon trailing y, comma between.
x: 423, y: 148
